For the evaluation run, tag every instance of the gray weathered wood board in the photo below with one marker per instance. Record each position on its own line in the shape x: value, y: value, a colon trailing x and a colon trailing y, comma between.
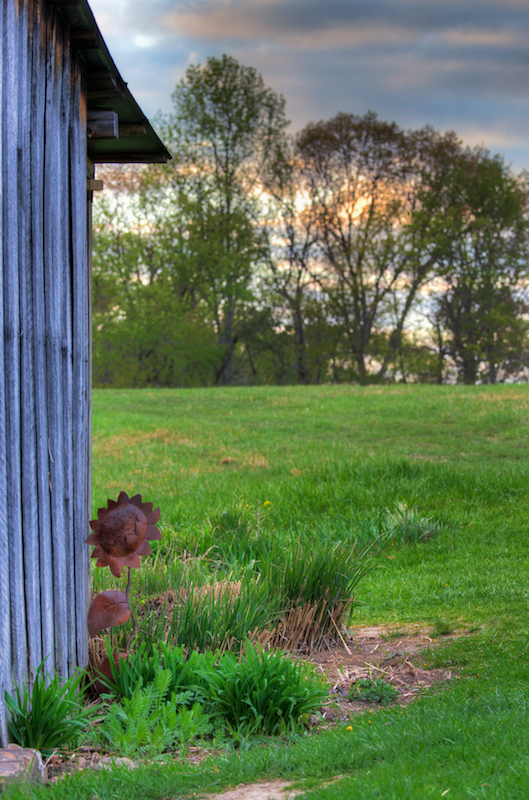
x: 44, y: 356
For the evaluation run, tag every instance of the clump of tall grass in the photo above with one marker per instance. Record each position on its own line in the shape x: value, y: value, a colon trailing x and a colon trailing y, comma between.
x: 399, y: 524
x: 405, y: 525
x: 220, y: 616
x: 315, y: 580
x: 297, y: 594
x: 285, y: 587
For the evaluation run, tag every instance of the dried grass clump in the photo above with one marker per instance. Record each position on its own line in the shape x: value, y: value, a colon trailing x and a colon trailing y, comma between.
x: 312, y: 627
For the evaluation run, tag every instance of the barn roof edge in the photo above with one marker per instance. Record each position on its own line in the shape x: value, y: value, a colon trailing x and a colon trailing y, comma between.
x: 136, y: 140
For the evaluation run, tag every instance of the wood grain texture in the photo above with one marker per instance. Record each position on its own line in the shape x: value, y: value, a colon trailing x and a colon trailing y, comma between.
x: 53, y: 273
x: 13, y: 221
x: 28, y: 418
x: 81, y: 384
x: 67, y: 355
x: 5, y: 620
x: 39, y: 331
x: 45, y: 351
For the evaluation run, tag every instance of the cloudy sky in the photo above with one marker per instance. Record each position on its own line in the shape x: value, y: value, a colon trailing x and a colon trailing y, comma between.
x: 453, y: 64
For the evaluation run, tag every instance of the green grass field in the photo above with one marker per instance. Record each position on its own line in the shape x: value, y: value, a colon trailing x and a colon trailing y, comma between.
x: 325, y: 456
x: 284, y: 461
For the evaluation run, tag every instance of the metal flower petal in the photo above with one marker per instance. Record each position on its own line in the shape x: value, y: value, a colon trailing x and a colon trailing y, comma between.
x: 121, y: 531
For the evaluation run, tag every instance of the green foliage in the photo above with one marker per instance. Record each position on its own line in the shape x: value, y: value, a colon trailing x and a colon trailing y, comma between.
x: 258, y: 693
x: 215, y: 616
x: 483, y: 216
x: 263, y: 693
x: 141, y: 667
x: 137, y: 667
x: 373, y: 691
x: 406, y: 525
x: 146, y: 327
x: 49, y: 715
x: 226, y: 124
x: 441, y: 627
x: 153, y: 720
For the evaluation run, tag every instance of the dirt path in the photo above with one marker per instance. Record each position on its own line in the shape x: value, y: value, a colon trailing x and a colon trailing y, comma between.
x: 271, y: 790
x: 377, y: 652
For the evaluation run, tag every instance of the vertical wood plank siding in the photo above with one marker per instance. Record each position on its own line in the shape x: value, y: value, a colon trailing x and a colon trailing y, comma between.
x: 81, y: 363
x: 5, y: 622
x: 44, y: 354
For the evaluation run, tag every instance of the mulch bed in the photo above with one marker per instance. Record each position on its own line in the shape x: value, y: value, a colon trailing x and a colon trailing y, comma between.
x: 374, y: 653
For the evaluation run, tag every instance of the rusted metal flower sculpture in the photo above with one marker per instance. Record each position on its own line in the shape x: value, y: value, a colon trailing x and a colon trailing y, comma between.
x: 121, y: 535
x: 122, y: 531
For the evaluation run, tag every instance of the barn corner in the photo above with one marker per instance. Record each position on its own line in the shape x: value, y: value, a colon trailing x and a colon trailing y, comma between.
x: 63, y: 108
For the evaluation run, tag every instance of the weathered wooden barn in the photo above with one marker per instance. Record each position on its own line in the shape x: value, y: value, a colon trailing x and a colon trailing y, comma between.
x: 63, y: 108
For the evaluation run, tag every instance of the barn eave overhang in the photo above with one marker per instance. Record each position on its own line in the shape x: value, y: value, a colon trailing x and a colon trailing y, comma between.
x: 134, y: 139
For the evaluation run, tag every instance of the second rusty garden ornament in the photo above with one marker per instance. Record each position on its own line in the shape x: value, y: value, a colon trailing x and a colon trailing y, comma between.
x: 121, y: 535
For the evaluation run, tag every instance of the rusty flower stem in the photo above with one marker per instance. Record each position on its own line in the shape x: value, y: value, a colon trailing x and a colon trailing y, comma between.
x: 132, y: 633
x: 127, y: 590
x: 134, y: 626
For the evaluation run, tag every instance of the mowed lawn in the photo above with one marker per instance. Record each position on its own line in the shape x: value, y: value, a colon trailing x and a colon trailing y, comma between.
x: 328, y: 455
x: 328, y: 458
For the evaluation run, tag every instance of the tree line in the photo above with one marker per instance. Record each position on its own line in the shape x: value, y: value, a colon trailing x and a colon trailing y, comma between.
x: 351, y: 251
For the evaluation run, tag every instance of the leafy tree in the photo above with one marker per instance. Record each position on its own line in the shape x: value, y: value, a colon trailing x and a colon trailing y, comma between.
x: 363, y: 177
x: 253, y: 258
x: 148, y: 327
x: 300, y: 306
x: 482, y: 303
x: 225, y: 126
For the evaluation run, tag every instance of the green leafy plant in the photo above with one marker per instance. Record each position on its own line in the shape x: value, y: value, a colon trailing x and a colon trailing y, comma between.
x: 264, y: 693
x: 153, y: 720
x: 141, y: 667
x: 373, y: 691
x: 441, y: 627
x: 137, y: 668
x: 50, y: 715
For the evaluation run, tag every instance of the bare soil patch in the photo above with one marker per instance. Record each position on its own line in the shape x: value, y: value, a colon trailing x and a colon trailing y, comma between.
x: 377, y: 652
x: 269, y: 790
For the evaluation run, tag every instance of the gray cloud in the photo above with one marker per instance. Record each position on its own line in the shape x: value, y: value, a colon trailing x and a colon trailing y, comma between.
x: 284, y: 19
x: 456, y: 65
